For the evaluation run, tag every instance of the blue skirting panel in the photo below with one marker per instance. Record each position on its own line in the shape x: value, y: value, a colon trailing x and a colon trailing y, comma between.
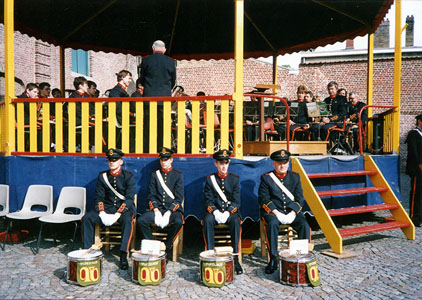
x: 21, y: 171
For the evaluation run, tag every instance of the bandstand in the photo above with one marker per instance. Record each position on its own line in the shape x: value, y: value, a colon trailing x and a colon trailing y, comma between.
x: 240, y: 29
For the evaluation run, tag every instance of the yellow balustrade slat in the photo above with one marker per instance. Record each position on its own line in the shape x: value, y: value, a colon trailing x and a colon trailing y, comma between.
x: 72, y: 127
x: 139, y: 129
x: 210, y: 127
x: 33, y: 127
x: 98, y: 139
x: 2, y: 128
x: 167, y: 124
x: 195, y: 126
x: 59, y: 126
x: 224, y: 124
x: 20, y: 125
x: 125, y: 127
x: 85, y: 127
x: 46, y: 127
x: 111, y: 125
x: 153, y: 127
x: 181, y: 127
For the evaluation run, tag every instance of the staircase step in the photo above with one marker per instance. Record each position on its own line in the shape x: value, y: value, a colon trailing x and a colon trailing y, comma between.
x: 351, y: 191
x: 341, y: 174
x: 360, y: 209
x: 372, y: 228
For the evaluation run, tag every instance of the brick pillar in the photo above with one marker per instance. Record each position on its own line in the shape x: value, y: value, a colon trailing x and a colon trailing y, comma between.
x: 349, y: 44
x: 42, y: 62
x: 410, y: 21
x: 382, y: 35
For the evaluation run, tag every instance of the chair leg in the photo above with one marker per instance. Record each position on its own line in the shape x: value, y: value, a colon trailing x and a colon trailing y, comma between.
x: 74, y: 234
x: 180, y: 244
x: 262, y: 238
x: 37, y: 249
x: 5, y: 236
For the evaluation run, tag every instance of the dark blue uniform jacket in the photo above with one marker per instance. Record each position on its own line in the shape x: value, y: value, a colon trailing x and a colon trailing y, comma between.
x: 230, y: 187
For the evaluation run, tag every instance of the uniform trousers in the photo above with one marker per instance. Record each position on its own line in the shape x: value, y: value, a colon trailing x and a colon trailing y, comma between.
x: 234, y: 226
x: 92, y: 218
x: 145, y: 221
x: 416, y: 198
x: 300, y: 225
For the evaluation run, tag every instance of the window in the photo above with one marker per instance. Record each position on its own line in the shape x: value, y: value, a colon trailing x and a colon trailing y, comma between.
x: 80, y: 62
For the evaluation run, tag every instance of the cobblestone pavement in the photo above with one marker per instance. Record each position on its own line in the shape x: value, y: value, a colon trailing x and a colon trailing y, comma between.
x: 387, y: 266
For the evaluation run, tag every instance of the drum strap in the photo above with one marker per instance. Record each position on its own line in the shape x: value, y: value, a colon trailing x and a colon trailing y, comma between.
x: 164, y: 185
x: 218, y: 189
x: 281, y: 186
x: 111, y: 188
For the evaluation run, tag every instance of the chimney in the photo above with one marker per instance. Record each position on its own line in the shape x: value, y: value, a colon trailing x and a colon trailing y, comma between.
x: 410, y: 21
x: 349, y: 44
x: 382, y: 35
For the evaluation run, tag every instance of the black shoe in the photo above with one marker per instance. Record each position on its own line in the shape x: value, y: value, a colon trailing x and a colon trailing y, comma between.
x: 124, y: 265
x: 271, y: 267
x: 238, y: 268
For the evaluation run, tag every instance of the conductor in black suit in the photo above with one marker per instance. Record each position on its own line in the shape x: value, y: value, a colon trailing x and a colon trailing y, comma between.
x: 281, y: 200
x: 158, y: 77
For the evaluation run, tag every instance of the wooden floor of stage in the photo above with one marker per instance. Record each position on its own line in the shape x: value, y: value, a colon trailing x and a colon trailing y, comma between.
x: 295, y: 147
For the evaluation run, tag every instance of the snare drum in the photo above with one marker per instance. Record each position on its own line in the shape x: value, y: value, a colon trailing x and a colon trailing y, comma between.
x: 84, y: 268
x: 148, y: 269
x: 215, y: 270
x: 298, y: 270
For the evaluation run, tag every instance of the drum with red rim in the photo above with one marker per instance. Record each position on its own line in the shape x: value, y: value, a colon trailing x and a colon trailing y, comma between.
x: 216, y: 270
x: 84, y: 268
x: 293, y: 269
x: 148, y: 269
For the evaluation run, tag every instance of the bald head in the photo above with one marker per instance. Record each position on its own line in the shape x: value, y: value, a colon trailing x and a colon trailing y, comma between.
x: 159, y: 46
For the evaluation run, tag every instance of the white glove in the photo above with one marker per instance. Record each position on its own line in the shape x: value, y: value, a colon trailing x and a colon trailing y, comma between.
x: 291, y: 216
x: 106, y: 218
x: 224, y: 216
x: 114, y: 218
x: 158, y: 219
x: 218, y: 216
x: 282, y: 218
x: 166, y: 218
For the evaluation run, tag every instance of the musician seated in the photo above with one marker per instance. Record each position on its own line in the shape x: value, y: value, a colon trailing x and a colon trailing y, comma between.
x: 299, y: 112
x: 281, y: 201
x: 165, y: 197
x: 353, y: 108
x: 338, y: 112
x: 222, y: 204
x: 114, y: 197
x: 251, y: 124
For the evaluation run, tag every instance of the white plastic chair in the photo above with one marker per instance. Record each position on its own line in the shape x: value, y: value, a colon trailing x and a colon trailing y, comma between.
x: 4, y: 199
x: 4, y: 202
x: 71, y: 198
x: 37, y: 195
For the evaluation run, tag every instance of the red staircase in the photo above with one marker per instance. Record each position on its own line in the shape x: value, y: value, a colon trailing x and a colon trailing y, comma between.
x: 323, y: 216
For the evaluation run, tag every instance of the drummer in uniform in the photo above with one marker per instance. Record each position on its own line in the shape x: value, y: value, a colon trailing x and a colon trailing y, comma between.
x: 165, y: 198
x: 281, y: 200
x: 222, y: 204
x: 114, y: 196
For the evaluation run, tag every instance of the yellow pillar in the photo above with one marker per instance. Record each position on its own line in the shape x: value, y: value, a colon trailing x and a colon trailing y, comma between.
x: 397, y: 78
x: 238, y: 85
x: 9, y: 61
x: 370, y: 81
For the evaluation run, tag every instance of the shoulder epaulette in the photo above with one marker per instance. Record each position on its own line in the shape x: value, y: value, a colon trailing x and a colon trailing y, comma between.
x: 127, y: 172
x: 234, y: 175
x: 268, y: 173
x: 177, y: 171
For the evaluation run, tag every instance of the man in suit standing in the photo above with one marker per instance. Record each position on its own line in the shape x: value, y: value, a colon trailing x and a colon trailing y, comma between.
x: 414, y: 170
x: 158, y: 77
x: 281, y: 200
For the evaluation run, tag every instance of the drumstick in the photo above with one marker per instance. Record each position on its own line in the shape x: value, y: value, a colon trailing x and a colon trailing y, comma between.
x: 97, y: 246
x: 139, y: 252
